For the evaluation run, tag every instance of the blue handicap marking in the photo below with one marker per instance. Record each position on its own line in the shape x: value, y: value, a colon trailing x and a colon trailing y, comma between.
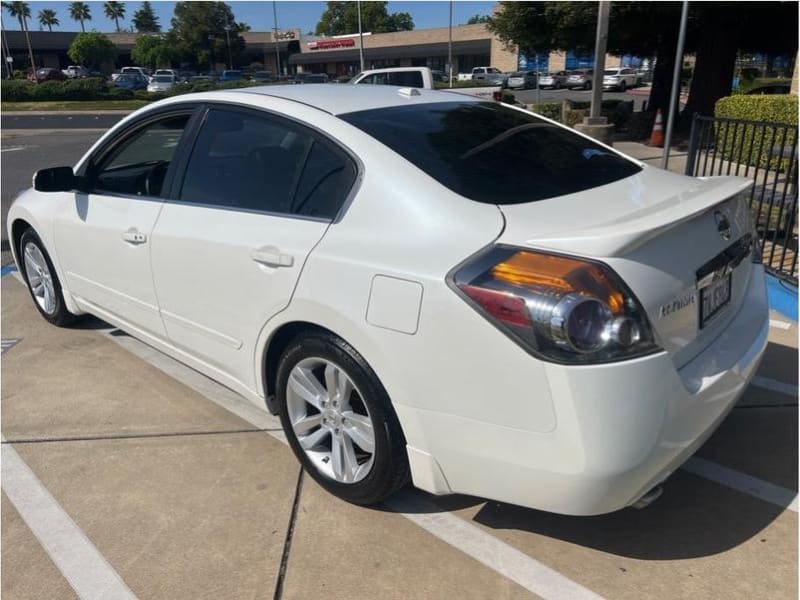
x: 8, y: 269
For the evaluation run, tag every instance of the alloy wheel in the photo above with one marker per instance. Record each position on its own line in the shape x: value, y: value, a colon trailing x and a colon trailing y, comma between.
x: 330, y: 420
x: 39, y: 278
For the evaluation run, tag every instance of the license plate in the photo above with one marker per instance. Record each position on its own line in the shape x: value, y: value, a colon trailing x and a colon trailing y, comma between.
x: 713, y: 298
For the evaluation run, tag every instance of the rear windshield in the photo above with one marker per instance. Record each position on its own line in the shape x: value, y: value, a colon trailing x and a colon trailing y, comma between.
x: 493, y: 154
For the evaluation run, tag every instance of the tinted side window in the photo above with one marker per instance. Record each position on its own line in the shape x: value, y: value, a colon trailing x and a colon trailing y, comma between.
x: 245, y: 161
x: 253, y: 162
x: 326, y: 180
x: 138, y: 165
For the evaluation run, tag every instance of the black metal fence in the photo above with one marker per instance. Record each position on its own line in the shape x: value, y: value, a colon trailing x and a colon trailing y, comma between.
x: 767, y: 154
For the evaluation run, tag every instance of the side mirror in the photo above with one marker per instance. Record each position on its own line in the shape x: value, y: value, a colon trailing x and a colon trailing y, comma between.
x: 56, y: 179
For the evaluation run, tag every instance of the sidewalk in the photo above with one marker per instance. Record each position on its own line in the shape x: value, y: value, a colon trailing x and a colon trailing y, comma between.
x: 653, y: 156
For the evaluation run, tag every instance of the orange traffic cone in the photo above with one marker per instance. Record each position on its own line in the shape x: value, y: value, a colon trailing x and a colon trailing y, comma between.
x: 657, y: 135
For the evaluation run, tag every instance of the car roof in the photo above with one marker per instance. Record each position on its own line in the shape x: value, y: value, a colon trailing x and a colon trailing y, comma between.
x: 340, y: 99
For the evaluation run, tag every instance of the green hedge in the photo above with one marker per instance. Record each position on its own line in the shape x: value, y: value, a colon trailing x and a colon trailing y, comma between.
x: 618, y: 112
x: 92, y: 88
x: 742, y: 143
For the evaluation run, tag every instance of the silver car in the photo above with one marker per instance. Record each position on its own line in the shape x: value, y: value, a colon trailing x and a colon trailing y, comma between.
x: 580, y: 79
x: 522, y: 80
x: 556, y: 80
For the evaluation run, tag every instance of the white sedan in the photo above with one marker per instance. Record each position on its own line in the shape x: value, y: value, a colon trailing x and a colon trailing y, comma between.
x: 425, y: 286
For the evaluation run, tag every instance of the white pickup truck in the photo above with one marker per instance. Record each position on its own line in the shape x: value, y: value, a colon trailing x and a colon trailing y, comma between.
x: 422, y: 77
x: 74, y: 71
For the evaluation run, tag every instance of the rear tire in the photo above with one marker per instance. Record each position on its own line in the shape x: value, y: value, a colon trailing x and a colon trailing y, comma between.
x: 339, y: 420
x: 623, y: 86
x: 43, y: 283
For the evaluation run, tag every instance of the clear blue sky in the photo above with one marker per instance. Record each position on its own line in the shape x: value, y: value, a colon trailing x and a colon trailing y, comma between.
x: 258, y: 14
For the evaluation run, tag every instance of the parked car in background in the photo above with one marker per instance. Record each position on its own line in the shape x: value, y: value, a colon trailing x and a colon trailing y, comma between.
x: 555, y: 80
x: 440, y: 76
x: 262, y: 77
x: 169, y: 72
x: 582, y: 79
x: 161, y: 83
x: 75, y: 71
x: 229, y: 75
x: 619, y: 79
x: 490, y: 75
x: 538, y: 320
x: 770, y: 88
x: 464, y: 77
x: 415, y: 77
x: 317, y: 78
x: 131, y: 81
x: 47, y: 74
x: 201, y: 78
x: 135, y: 71
x: 522, y: 80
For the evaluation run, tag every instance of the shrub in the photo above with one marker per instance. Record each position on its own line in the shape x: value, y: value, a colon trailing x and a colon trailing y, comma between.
x: 551, y: 110
x: 15, y: 90
x: 742, y: 143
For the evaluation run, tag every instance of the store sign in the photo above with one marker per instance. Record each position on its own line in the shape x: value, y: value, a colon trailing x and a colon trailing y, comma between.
x: 286, y: 35
x: 330, y: 44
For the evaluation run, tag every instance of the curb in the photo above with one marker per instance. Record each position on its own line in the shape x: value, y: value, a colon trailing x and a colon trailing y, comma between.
x: 782, y: 297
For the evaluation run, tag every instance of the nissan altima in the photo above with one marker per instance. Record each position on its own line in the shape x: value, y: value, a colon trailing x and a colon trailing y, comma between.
x: 426, y: 287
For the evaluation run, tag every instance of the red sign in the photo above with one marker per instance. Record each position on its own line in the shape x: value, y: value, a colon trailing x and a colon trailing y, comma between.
x: 329, y: 44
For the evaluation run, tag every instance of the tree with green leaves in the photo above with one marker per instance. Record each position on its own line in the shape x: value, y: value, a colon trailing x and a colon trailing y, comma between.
x: 152, y: 51
x: 475, y: 19
x: 80, y: 11
x: 198, y: 33
x: 21, y: 11
x: 145, y: 19
x: 92, y: 49
x: 48, y: 18
x: 341, y: 18
x: 114, y: 11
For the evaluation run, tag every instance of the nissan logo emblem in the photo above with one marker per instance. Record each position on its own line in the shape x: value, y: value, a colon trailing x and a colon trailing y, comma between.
x: 723, y: 225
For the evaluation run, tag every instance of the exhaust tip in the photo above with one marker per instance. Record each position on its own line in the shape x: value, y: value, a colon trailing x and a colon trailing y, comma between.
x: 650, y: 497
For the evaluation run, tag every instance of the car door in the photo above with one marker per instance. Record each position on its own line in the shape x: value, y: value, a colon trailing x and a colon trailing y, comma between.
x: 103, y: 234
x: 256, y: 194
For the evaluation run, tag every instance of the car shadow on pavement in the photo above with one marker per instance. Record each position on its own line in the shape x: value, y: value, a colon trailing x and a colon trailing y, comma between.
x: 693, y: 518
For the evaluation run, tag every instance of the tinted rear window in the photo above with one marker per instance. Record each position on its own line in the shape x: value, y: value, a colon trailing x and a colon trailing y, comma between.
x: 490, y: 153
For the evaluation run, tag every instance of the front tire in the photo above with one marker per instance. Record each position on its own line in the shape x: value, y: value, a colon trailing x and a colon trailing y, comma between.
x: 622, y: 87
x: 339, y: 420
x: 43, y: 283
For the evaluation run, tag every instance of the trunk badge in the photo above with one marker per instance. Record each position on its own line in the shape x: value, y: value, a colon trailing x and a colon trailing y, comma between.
x: 723, y: 225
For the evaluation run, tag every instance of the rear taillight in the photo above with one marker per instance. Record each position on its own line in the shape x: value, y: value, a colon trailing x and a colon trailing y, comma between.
x: 560, y: 308
x: 497, y: 96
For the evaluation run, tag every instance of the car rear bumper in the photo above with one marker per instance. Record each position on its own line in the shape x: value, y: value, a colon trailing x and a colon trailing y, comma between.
x: 621, y: 428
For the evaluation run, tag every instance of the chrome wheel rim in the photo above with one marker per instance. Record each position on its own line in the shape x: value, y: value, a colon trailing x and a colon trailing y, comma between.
x: 330, y: 420
x: 39, y: 278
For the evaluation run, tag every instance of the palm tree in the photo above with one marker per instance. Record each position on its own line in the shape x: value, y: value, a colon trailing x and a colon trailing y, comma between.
x: 48, y: 18
x: 21, y: 11
x: 115, y: 11
x: 79, y: 11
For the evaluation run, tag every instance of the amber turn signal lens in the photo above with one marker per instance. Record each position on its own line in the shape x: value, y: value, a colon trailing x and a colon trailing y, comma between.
x: 567, y: 275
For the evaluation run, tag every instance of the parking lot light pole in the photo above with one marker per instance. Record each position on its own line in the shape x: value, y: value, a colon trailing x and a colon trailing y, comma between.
x: 360, y: 38
x: 228, y: 42
x: 450, y: 46
x: 676, y: 84
x: 596, y: 125
x: 277, y: 44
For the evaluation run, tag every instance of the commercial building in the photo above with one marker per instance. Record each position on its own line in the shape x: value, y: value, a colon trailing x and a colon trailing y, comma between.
x: 472, y: 46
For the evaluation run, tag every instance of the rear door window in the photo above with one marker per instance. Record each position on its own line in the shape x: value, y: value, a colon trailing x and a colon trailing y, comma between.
x: 493, y: 154
x: 243, y: 160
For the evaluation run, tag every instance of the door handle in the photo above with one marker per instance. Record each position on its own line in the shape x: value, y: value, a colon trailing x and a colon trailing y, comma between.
x: 134, y: 237
x: 272, y: 257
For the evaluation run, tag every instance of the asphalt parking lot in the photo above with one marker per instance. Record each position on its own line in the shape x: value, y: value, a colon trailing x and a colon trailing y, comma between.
x: 127, y: 475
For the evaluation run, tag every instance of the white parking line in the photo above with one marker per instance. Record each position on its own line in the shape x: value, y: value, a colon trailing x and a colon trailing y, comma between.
x: 779, y: 324
x: 769, y: 492
x: 12, y: 149
x: 458, y: 533
x: 774, y: 385
x: 80, y: 562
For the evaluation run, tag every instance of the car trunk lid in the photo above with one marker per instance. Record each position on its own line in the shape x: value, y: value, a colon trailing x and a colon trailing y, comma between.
x: 665, y: 235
